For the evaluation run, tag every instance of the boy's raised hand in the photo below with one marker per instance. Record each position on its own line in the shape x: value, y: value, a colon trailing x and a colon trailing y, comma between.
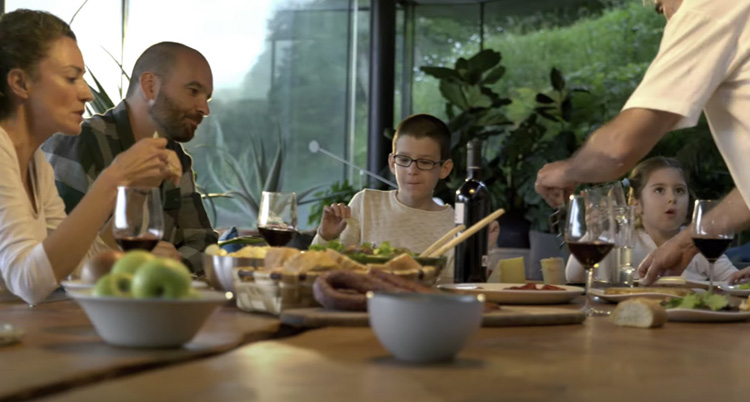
x: 334, y: 221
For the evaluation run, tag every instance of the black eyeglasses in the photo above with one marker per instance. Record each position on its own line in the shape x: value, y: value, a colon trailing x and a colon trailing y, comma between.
x: 422, y: 164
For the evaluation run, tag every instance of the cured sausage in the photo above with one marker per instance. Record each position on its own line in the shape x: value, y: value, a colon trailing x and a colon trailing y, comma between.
x: 401, y: 282
x: 328, y: 290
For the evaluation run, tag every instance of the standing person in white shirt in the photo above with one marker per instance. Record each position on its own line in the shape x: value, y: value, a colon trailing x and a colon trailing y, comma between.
x: 703, y: 63
x: 42, y: 92
x: 407, y: 217
x: 660, y: 193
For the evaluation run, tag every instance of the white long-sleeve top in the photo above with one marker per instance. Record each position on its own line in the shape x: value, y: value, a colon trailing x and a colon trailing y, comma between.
x: 697, y: 270
x: 25, y: 267
x: 379, y: 216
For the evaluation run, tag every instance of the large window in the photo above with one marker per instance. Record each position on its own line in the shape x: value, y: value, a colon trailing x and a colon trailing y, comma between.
x: 286, y: 72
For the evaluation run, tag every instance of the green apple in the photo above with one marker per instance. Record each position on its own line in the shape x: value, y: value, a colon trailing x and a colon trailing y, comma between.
x: 113, y: 284
x: 193, y: 294
x: 131, y: 261
x: 162, y: 278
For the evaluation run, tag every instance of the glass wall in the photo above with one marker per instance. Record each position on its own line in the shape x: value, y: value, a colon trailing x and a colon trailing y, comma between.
x: 286, y: 72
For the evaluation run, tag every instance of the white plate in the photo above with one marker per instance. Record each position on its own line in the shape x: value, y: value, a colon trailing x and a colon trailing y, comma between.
x: 616, y: 298
x: 697, y: 315
x: 499, y: 293
x: 681, y: 282
x: 77, y: 284
x: 732, y: 290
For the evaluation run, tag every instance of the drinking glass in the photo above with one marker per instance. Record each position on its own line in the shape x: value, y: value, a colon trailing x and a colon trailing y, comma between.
x: 277, y: 218
x: 604, y: 195
x: 711, y: 240
x: 589, y: 234
x: 138, y: 218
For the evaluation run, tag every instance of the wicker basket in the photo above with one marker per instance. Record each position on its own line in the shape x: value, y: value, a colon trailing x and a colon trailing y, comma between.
x: 274, y: 292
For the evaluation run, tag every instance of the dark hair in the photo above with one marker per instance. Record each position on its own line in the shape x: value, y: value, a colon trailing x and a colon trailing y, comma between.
x: 425, y: 125
x: 159, y: 59
x: 640, y: 174
x: 26, y: 37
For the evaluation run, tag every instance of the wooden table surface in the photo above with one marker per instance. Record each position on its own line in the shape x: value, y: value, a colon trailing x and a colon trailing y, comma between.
x: 60, y: 348
x: 596, y: 361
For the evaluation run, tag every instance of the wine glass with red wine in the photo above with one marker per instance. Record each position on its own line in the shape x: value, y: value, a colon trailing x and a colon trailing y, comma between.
x: 708, y: 238
x: 277, y: 218
x: 138, y: 219
x: 590, y: 235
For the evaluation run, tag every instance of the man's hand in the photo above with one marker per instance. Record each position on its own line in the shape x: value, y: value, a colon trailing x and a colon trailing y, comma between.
x: 174, y: 168
x: 334, y: 221
x: 671, y: 258
x: 553, y: 184
x: 166, y: 250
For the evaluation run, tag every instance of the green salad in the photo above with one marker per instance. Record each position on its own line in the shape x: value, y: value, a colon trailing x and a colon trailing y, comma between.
x: 384, y: 250
x: 706, y: 300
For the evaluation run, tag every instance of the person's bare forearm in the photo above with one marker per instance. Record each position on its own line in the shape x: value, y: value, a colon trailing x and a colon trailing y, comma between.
x: 732, y: 214
x: 68, y: 244
x: 616, y: 147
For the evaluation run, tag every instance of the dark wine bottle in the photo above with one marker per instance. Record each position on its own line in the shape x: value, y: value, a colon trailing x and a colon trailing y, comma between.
x: 472, y: 205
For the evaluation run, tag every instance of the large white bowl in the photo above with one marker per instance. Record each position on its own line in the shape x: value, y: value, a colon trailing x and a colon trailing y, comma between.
x: 424, y: 328
x: 147, y: 323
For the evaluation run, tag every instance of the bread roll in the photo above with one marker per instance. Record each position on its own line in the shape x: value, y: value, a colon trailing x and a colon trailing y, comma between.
x: 639, y: 313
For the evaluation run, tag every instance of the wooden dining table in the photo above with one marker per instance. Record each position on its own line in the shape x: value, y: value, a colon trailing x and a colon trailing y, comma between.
x: 593, y: 361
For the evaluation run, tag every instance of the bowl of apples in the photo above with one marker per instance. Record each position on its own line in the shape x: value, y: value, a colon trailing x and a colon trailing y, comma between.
x: 147, y: 302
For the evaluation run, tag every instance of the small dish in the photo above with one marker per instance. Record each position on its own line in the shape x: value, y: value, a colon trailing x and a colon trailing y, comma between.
x: 424, y: 328
x: 499, y: 293
x: 700, y: 315
x: 734, y: 290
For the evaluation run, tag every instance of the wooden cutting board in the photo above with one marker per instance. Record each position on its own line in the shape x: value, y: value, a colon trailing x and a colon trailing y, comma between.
x: 507, y: 316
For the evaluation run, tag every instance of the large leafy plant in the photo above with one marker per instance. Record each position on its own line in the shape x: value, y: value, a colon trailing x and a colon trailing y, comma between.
x: 514, y: 150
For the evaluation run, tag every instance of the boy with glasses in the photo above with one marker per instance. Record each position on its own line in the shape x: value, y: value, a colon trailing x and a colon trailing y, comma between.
x: 407, y: 217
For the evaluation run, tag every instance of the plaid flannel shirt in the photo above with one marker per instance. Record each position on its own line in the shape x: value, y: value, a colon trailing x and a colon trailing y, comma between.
x: 78, y: 161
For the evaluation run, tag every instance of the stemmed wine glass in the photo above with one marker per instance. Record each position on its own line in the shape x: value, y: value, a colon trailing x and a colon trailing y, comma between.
x: 589, y: 233
x: 601, y: 196
x: 710, y: 240
x: 138, y: 218
x: 277, y: 218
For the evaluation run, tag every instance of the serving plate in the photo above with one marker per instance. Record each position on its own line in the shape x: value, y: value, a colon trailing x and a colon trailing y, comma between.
x: 499, y: 293
x: 616, y: 298
x: 699, y: 315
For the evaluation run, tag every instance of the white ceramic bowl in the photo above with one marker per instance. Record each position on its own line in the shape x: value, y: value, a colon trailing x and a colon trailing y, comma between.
x: 424, y: 328
x: 147, y: 323
x: 220, y: 269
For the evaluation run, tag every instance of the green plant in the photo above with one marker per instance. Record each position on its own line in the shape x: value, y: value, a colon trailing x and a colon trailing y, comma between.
x: 227, y: 171
x: 515, y: 150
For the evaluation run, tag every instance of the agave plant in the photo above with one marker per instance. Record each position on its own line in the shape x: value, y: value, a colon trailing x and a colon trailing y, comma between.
x: 230, y: 173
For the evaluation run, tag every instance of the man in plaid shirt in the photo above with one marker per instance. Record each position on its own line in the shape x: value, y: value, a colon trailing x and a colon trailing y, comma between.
x: 169, y: 91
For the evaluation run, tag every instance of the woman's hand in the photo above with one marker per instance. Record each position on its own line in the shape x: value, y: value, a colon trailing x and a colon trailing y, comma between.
x: 145, y: 164
x: 334, y: 221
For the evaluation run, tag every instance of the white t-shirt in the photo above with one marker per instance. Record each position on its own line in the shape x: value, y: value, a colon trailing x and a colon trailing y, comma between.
x: 24, y: 265
x: 380, y: 217
x: 704, y: 63
x: 697, y: 269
